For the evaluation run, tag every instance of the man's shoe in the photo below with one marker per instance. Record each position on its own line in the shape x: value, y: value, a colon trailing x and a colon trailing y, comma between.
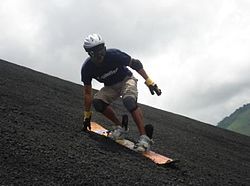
x: 118, y: 133
x: 144, y: 143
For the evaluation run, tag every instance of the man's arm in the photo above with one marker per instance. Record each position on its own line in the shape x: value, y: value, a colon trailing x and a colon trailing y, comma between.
x: 87, y: 97
x: 87, y: 89
x: 137, y: 65
x: 143, y: 73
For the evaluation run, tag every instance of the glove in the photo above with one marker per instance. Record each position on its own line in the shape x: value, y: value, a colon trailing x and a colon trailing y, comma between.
x: 153, y: 87
x: 86, y: 120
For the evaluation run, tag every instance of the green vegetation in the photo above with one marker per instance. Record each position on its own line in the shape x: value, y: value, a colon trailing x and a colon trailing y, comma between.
x: 239, y: 121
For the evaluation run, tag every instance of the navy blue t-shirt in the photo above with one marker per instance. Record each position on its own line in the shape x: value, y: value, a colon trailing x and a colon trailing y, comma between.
x: 112, y: 70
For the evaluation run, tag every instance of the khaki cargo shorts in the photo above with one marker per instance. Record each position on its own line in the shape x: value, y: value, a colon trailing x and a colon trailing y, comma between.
x: 128, y: 87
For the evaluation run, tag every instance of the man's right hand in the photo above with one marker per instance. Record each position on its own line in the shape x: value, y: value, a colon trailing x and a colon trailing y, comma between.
x: 86, y: 121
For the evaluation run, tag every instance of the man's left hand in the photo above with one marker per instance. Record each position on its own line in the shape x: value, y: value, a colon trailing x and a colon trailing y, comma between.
x: 153, y: 87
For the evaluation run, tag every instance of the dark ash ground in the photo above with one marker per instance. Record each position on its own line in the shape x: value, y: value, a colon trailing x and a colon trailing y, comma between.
x: 42, y: 142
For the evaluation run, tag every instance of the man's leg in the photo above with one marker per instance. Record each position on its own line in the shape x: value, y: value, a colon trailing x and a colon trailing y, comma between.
x: 144, y: 142
x: 129, y: 96
x: 102, y: 101
x: 138, y: 118
x: 131, y: 105
x: 106, y: 110
x: 111, y: 115
x: 117, y: 132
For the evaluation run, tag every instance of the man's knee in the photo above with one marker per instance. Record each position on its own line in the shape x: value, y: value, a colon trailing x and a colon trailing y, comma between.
x: 130, y: 103
x: 99, y: 105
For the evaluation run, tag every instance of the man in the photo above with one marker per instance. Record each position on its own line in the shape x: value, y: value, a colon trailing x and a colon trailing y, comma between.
x: 109, y: 66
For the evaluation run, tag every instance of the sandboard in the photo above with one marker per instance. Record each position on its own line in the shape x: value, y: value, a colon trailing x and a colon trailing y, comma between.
x: 155, y: 157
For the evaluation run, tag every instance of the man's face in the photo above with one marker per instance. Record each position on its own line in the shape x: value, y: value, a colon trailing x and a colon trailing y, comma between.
x: 97, y: 56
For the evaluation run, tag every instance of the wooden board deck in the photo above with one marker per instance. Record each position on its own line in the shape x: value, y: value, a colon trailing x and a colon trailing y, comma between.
x: 155, y: 157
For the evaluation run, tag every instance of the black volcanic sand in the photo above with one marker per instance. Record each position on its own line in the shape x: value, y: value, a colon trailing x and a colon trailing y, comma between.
x: 42, y: 142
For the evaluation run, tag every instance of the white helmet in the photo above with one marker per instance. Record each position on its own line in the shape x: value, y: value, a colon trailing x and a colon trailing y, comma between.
x: 92, y: 41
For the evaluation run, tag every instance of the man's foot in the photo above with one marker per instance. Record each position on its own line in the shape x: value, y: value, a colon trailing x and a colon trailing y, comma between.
x: 144, y: 143
x: 118, y: 133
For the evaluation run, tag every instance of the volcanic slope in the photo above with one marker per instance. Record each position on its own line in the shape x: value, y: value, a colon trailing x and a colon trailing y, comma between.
x: 42, y: 142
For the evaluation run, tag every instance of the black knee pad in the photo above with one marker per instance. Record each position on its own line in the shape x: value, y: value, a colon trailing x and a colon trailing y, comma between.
x: 99, y: 105
x: 130, y: 103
